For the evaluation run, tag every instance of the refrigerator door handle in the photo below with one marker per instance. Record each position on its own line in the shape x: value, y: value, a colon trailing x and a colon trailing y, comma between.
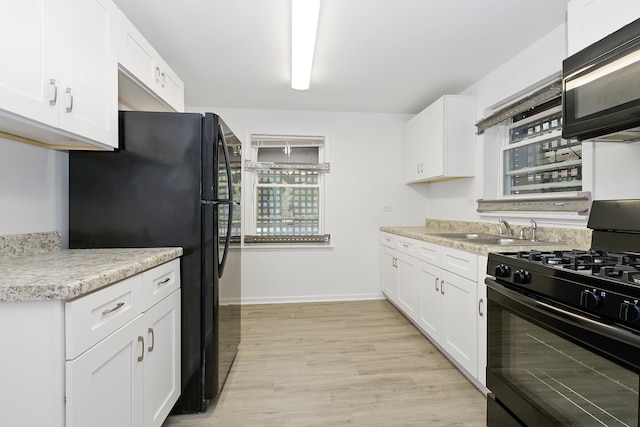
x: 227, y: 162
x: 229, y: 202
x: 227, y: 241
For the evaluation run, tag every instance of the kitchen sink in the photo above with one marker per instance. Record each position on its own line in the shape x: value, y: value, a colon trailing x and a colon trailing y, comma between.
x: 490, y: 239
x: 463, y: 236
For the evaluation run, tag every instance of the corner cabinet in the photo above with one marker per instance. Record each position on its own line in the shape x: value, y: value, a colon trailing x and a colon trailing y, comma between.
x: 439, y: 141
x: 443, y: 297
x: 113, y: 356
x: 146, y: 80
x: 591, y: 20
x: 58, y: 80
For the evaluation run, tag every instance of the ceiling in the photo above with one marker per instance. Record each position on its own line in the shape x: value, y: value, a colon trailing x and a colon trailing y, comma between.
x: 385, y: 56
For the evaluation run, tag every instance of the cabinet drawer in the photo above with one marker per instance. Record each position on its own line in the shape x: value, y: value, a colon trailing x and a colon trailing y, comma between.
x: 388, y: 240
x: 429, y: 252
x: 462, y: 263
x: 407, y: 246
x: 159, y: 282
x: 93, y: 317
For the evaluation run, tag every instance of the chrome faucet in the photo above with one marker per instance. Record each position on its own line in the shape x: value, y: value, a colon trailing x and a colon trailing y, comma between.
x: 507, y: 228
x: 534, y: 227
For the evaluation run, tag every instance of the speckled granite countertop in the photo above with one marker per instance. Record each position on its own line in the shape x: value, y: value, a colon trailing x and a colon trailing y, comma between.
x: 553, y: 238
x: 66, y: 274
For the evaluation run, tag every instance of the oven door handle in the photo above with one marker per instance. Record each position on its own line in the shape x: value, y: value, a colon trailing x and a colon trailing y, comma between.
x: 583, y: 322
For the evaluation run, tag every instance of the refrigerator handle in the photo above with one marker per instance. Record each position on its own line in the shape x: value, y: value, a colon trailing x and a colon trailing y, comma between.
x: 227, y: 241
x: 227, y: 162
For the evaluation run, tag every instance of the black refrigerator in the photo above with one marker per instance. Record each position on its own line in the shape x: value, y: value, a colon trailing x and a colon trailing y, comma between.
x: 174, y: 181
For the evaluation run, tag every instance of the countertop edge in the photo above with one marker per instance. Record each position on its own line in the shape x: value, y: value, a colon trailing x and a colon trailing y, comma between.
x: 67, y: 274
x: 423, y: 233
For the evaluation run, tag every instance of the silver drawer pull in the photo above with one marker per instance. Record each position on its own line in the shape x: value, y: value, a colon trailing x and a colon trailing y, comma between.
x: 141, y: 357
x: 111, y: 310
x: 165, y: 281
x: 54, y: 97
x: 69, y: 107
x: 153, y: 339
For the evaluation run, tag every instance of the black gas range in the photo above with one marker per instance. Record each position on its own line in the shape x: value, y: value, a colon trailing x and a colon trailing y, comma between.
x: 603, y: 281
x: 563, y: 328
x: 596, y: 282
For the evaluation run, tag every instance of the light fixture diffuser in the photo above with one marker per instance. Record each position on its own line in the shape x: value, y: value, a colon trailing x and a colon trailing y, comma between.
x: 304, y: 24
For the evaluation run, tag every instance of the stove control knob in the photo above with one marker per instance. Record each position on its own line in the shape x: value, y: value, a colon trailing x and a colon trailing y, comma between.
x: 502, y: 270
x: 589, y: 299
x: 629, y: 312
x: 521, y: 276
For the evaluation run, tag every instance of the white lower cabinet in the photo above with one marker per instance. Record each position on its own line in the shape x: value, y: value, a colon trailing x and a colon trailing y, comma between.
x: 389, y: 272
x: 440, y: 293
x: 104, y: 385
x: 399, y: 281
x: 482, y: 321
x: 459, y: 320
x: 430, y: 318
x: 112, y: 356
x: 132, y: 377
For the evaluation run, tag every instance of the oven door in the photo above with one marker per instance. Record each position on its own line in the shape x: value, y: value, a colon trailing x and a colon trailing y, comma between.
x: 547, y: 366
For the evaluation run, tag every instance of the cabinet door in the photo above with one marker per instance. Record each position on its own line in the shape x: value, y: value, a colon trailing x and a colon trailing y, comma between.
x: 389, y: 273
x: 591, y: 20
x: 29, y: 59
x: 162, y: 360
x: 89, y: 70
x: 408, y: 298
x: 135, y: 53
x: 460, y: 328
x: 104, y: 385
x: 482, y: 321
x: 434, y: 140
x: 415, y: 136
x: 429, y: 287
x: 171, y: 87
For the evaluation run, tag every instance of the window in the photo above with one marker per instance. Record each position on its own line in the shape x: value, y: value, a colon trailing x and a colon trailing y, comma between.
x: 536, y: 170
x: 535, y: 158
x: 288, y: 176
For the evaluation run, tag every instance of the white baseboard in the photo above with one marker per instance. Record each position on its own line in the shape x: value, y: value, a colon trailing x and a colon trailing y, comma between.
x: 310, y: 298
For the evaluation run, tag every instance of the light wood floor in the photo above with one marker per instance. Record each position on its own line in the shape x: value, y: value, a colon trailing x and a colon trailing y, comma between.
x: 340, y: 363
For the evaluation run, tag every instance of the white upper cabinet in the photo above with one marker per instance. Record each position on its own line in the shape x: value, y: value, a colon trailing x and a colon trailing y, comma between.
x: 439, y: 141
x: 592, y: 20
x: 146, y: 81
x: 58, y: 73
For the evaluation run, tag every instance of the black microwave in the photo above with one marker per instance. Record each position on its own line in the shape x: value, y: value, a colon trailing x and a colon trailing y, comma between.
x: 601, y: 89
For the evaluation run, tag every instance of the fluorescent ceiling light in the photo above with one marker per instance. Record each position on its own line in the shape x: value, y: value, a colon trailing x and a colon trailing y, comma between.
x: 304, y: 23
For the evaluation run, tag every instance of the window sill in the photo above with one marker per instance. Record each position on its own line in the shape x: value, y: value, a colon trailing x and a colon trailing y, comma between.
x: 579, y: 204
x: 284, y: 247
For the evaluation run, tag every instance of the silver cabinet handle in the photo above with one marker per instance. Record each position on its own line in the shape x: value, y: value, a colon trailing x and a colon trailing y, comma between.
x: 442, y: 287
x: 162, y: 79
x: 480, y: 304
x: 141, y: 357
x: 153, y: 340
x: 69, y: 107
x: 437, y: 290
x: 111, y: 310
x: 157, y: 74
x: 54, y: 99
x: 165, y: 281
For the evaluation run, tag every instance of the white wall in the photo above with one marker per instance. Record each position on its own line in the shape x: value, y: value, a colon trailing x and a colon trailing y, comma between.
x: 33, y: 189
x: 610, y: 170
x: 365, y: 152
x: 457, y: 199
